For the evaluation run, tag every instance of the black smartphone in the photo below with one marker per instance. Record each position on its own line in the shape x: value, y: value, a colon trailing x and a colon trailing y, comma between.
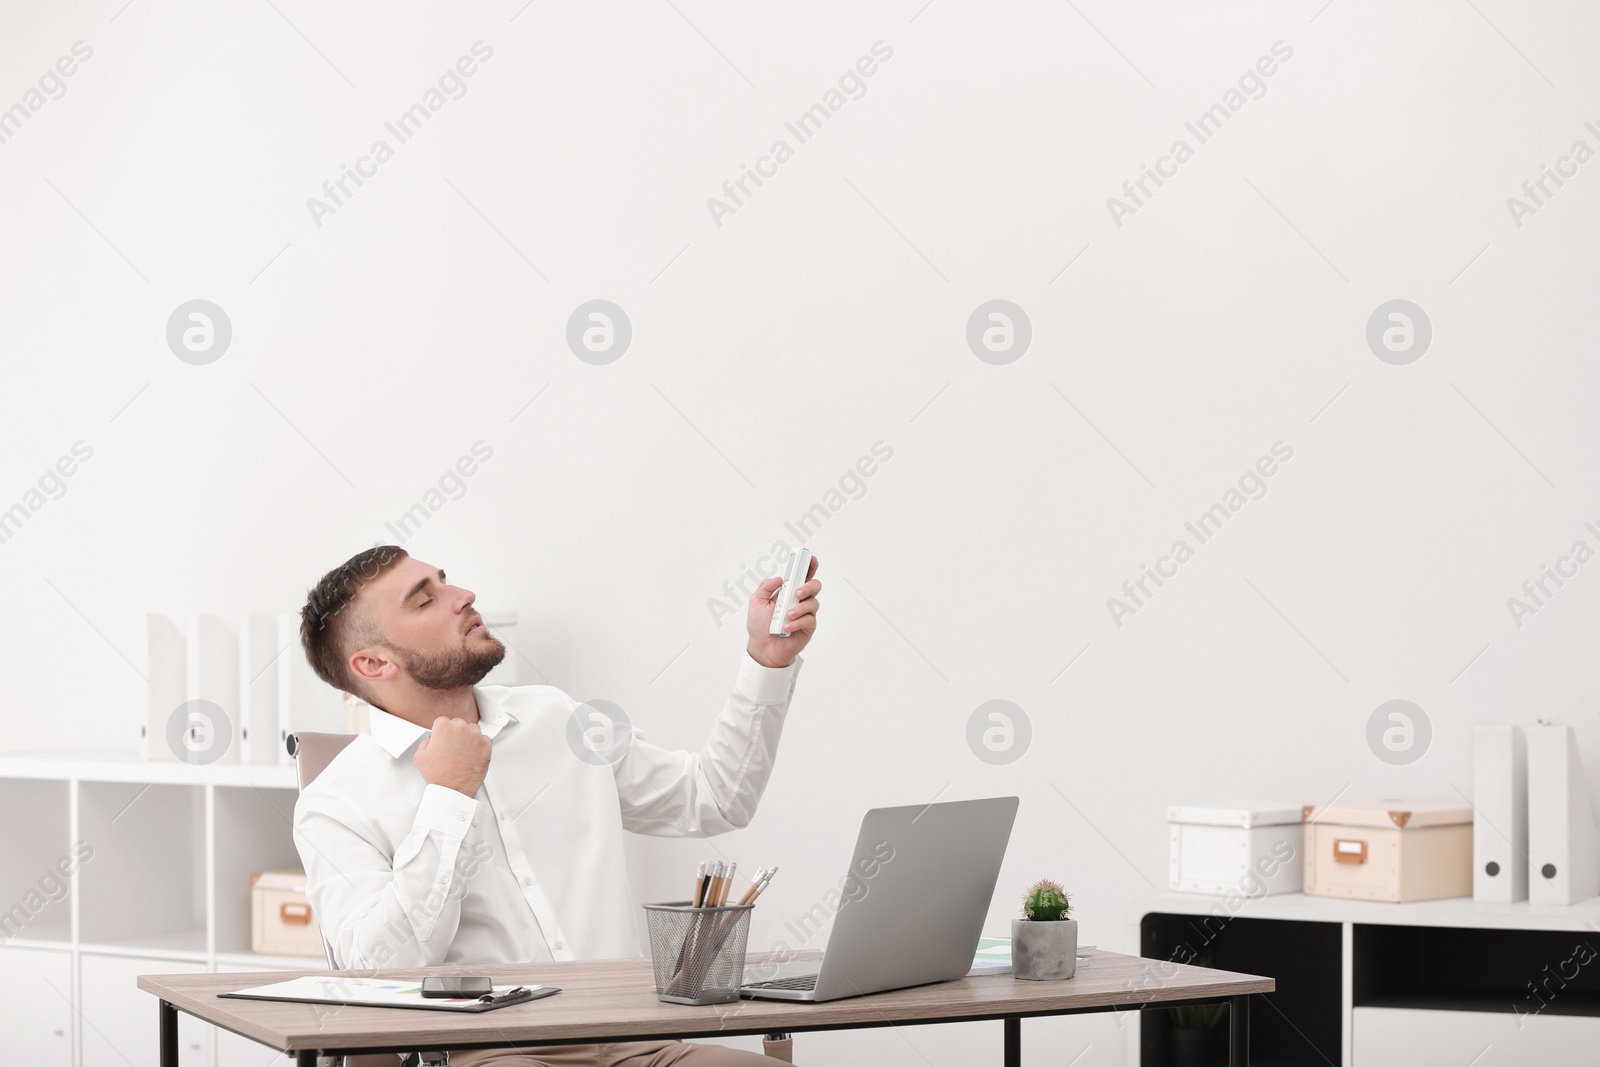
x: 449, y: 985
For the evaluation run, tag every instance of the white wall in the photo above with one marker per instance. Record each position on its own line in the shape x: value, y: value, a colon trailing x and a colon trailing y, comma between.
x: 1226, y: 313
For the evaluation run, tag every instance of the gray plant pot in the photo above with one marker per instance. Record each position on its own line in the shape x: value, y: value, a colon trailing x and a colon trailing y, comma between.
x: 1044, y: 951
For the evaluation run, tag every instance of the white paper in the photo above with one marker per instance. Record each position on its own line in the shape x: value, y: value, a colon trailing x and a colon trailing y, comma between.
x: 372, y: 992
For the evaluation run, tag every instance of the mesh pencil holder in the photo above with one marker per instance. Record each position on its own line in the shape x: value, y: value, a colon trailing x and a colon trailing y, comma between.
x: 698, y: 953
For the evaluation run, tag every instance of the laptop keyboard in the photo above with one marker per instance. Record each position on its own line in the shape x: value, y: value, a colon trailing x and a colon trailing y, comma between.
x: 799, y: 981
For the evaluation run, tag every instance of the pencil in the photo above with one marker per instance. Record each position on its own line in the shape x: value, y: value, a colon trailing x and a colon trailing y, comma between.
x: 724, y: 929
x: 702, y: 886
x: 699, y: 884
x: 705, y: 896
x: 755, y: 887
x: 716, y: 884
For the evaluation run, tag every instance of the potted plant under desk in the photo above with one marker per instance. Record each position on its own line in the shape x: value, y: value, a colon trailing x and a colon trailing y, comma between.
x: 1044, y: 942
x: 1192, y: 1038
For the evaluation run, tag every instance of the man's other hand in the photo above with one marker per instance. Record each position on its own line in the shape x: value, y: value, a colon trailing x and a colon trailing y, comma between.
x: 455, y: 756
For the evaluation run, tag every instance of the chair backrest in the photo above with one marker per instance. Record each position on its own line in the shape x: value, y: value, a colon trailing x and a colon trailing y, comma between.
x: 313, y: 752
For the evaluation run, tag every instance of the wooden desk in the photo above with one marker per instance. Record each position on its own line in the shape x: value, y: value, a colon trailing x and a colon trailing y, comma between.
x: 616, y: 1000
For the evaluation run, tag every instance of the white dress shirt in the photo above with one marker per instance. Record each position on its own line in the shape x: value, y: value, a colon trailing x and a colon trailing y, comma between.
x: 401, y: 873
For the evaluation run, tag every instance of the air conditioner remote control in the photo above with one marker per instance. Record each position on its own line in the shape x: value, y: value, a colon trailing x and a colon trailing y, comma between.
x: 794, y: 576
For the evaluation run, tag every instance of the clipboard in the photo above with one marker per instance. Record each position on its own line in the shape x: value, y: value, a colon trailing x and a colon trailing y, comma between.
x: 386, y: 993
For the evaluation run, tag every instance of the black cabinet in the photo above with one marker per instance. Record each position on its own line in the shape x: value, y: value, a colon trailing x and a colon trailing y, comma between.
x: 1298, y: 1024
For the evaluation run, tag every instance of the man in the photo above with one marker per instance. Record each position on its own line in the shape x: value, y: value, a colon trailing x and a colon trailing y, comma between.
x: 483, y: 824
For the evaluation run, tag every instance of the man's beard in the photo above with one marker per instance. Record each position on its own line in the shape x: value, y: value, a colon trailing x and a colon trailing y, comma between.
x: 454, y: 669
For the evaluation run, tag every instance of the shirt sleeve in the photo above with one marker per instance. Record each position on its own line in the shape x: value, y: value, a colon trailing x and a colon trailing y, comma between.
x: 378, y: 910
x: 679, y: 793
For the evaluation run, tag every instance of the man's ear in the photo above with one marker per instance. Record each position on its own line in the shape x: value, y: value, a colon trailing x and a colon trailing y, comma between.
x: 371, y: 664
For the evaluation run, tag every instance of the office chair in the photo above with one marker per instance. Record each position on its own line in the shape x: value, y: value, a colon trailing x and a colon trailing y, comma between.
x: 312, y: 753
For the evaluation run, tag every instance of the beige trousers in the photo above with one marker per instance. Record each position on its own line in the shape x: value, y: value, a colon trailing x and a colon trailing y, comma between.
x: 621, y: 1054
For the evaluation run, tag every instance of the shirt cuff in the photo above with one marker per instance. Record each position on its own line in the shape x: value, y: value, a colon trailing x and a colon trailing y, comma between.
x: 766, y: 686
x: 446, y: 810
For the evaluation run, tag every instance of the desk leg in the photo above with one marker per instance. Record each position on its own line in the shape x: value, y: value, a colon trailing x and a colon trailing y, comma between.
x: 1239, y: 1031
x: 169, y: 1035
x: 1013, y: 1042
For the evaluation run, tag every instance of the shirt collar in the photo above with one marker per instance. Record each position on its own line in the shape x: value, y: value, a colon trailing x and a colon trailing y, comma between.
x: 396, y: 735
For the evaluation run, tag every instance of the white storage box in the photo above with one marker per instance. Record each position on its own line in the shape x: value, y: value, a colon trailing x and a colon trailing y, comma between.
x: 281, y: 923
x: 1392, y: 850
x: 1236, y: 849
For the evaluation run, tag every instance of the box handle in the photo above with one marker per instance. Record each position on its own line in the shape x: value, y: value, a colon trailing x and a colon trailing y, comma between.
x: 295, y: 913
x: 1349, y: 850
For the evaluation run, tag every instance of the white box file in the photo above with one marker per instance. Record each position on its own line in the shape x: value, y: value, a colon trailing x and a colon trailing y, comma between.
x: 1500, y: 830
x: 1563, y: 852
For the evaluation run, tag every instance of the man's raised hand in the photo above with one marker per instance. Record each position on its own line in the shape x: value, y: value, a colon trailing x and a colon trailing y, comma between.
x: 455, y: 756
x: 768, y: 649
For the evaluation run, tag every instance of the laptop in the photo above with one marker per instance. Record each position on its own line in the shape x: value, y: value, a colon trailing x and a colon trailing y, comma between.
x: 914, y: 900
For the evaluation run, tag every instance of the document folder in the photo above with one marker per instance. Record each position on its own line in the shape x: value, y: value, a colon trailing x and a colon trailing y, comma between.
x: 1563, y: 849
x: 1500, y: 831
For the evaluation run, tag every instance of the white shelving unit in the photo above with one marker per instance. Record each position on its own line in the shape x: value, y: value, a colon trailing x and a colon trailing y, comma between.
x: 1432, y: 1020
x: 166, y: 889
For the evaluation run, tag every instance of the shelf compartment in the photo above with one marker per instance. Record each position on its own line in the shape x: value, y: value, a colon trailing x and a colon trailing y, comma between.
x: 146, y: 882
x: 1522, y: 972
x: 40, y: 861
x: 1302, y: 1023
x: 254, y: 832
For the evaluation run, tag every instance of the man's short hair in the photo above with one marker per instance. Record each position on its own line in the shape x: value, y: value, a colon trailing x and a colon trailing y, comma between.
x: 333, y: 624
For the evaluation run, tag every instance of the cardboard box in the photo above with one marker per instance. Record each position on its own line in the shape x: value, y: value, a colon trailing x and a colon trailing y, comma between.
x: 281, y: 923
x: 1392, y: 850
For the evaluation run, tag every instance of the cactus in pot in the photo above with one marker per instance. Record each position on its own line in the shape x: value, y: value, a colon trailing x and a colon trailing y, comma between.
x: 1046, y: 901
x: 1044, y: 942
